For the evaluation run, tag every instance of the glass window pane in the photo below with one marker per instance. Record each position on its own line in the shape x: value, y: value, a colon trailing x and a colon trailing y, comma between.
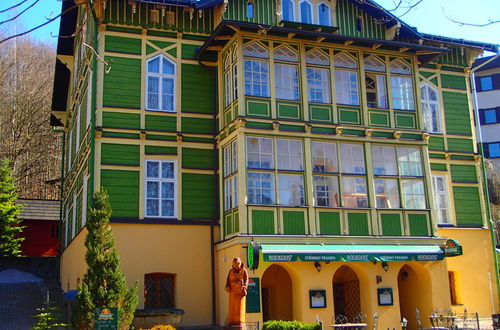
x: 490, y: 116
x: 346, y: 85
x: 352, y: 158
x: 286, y: 53
x: 153, y: 169
x: 255, y: 49
x: 289, y: 155
x: 260, y: 153
x: 387, y: 193
x: 168, y: 67
x: 409, y: 160
x: 167, y: 190
x: 326, y: 191
x: 288, y: 10
x: 318, y: 84
x: 384, y: 160
x: 402, y: 93
x: 287, y: 82
x: 306, y: 12
x: 324, y: 15
x: 153, y: 93
x: 153, y: 189
x: 413, y: 194
x: 260, y: 188
x: 291, y: 189
x: 324, y: 157
x: 486, y: 83
x: 317, y: 57
x: 152, y: 207
x: 354, y: 193
x: 167, y: 170
x: 154, y: 65
x: 256, y: 78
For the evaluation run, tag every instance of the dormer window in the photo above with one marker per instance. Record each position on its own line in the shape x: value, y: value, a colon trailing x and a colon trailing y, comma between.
x: 307, y: 12
x: 324, y: 16
x: 250, y: 9
x: 288, y: 10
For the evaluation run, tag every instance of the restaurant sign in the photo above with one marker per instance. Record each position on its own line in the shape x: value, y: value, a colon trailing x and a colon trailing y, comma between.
x: 106, y: 318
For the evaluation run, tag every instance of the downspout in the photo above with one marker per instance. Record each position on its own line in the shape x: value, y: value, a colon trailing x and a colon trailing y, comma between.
x: 483, y: 168
x: 61, y: 189
x: 216, y: 187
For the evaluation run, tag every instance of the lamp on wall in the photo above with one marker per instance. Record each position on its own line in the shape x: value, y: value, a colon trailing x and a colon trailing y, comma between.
x: 317, y: 265
x: 385, y: 266
x: 404, y: 323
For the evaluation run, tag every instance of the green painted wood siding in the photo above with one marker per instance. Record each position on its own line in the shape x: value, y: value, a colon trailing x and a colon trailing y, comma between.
x: 460, y: 145
x: 329, y: 223
x: 456, y: 110
x: 121, y: 120
x: 391, y: 224
x: 198, y: 158
x: 463, y: 173
x: 358, y: 224
x: 156, y: 150
x: 455, y: 56
x: 418, y: 225
x: 123, y: 190
x: 120, y: 12
x: 197, y: 89
x: 347, y: 14
x: 161, y: 123
x: 293, y: 223
x: 436, y: 143
x: 123, y: 45
x: 264, y: 11
x: 120, y: 154
x: 198, y: 125
x: 198, y: 196
x: 262, y: 222
x: 122, y: 84
x: 457, y: 82
x: 438, y: 167
x: 467, y: 205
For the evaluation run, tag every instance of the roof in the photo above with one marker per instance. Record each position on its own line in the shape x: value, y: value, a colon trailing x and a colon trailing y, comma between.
x: 198, y: 4
x: 460, y: 42
x: 492, y: 65
x: 39, y: 209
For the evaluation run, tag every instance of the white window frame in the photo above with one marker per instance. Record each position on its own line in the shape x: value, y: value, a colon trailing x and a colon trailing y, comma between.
x: 160, y: 75
x: 445, y: 194
x: 399, y: 85
x: 427, y: 112
x: 160, y: 180
x: 324, y: 85
x: 318, y: 7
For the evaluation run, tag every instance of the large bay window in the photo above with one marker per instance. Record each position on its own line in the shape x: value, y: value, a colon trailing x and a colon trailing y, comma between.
x: 262, y: 173
x: 441, y: 199
x: 256, y: 69
x: 230, y: 158
x: 230, y: 76
x: 326, y: 174
x: 286, y: 73
x: 318, y: 76
x: 431, y: 109
x: 376, y: 91
x: 161, y: 189
x: 398, y: 169
x: 346, y: 79
x: 402, y: 85
x: 160, y: 84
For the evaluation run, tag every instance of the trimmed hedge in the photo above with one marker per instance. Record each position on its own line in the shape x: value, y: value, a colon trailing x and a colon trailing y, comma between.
x: 289, y: 325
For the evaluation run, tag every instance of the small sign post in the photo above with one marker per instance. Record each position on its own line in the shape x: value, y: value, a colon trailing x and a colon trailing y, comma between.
x: 106, y: 318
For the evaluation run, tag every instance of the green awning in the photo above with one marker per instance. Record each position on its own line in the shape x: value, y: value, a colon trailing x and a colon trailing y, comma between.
x: 316, y: 252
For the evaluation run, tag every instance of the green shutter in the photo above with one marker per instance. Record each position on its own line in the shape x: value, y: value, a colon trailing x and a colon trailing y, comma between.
x: 463, y: 173
x: 262, y: 222
x: 418, y: 224
x: 467, y: 205
x: 391, y: 224
x: 293, y: 223
x: 329, y: 223
x: 358, y: 224
x: 456, y: 110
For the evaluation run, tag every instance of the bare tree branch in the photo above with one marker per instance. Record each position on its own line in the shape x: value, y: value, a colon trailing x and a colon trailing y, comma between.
x: 10, y: 8
x: 15, y: 17
x: 461, y: 23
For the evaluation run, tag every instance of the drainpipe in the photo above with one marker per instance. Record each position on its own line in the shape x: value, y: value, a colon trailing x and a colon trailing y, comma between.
x: 483, y: 168
x: 61, y: 188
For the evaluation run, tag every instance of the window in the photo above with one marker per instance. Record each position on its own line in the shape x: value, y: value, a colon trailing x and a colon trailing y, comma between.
x: 384, y: 160
x: 431, y: 109
x: 324, y: 157
x: 230, y: 153
x: 262, y: 174
x: 413, y: 194
x: 387, y: 193
x: 352, y: 158
x: 286, y: 75
x: 288, y: 10
x: 306, y: 12
x: 402, y: 85
x: 441, y: 200
x: 230, y: 76
x: 318, y: 76
x: 250, y: 9
x: 354, y: 193
x: 324, y: 17
x: 376, y: 91
x: 326, y: 191
x: 160, y: 84
x: 346, y: 79
x: 256, y: 69
x: 159, y: 291
x: 410, y: 163
x: 486, y: 83
x: 489, y: 116
x: 325, y: 161
x: 453, y: 288
x: 161, y: 189
x: 493, y: 149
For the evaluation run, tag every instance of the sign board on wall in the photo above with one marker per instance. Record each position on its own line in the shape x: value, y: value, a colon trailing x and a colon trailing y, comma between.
x: 253, y: 297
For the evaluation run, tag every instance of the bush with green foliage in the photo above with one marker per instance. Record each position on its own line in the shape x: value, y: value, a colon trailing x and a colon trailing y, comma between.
x: 289, y: 325
x: 48, y: 318
x: 10, y: 242
x: 104, y: 283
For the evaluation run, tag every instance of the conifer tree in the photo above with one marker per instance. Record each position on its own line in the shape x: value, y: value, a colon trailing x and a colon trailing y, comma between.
x: 10, y: 243
x: 104, y: 283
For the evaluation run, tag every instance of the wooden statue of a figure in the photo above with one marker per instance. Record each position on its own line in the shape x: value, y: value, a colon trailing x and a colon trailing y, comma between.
x: 237, y: 286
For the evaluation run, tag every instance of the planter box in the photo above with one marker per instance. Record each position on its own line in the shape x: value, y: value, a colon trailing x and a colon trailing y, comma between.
x: 148, y: 318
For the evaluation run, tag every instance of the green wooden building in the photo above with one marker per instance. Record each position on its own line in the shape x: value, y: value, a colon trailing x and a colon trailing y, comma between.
x: 336, y: 139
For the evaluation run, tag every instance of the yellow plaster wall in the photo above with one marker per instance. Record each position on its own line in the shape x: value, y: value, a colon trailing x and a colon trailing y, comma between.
x: 474, y: 270
x: 429, y: 289
x: 182, y: 250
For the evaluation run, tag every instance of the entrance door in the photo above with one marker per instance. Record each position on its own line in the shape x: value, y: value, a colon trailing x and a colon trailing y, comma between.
x: 346, y: 293
x: 276, y: 294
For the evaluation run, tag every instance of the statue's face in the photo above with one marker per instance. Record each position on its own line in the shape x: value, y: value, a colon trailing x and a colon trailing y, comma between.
x: 236, y: 263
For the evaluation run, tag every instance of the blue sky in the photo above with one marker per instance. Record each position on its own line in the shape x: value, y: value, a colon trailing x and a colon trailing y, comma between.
x: 429, y: 17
